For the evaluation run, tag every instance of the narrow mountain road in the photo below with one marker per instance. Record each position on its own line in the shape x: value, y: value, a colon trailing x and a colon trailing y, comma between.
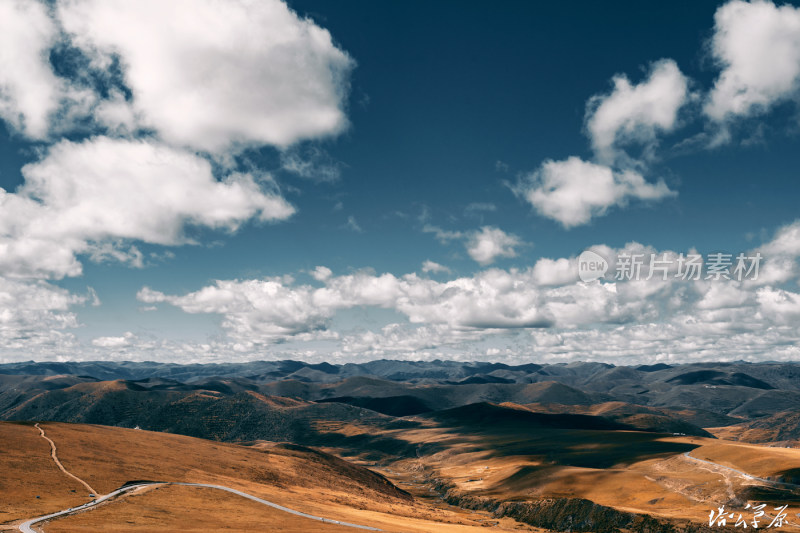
x: 275, y: 505
x: 27, y: 527
x: 743, y: 474
x: 747, y: 476
x: 54, y: 455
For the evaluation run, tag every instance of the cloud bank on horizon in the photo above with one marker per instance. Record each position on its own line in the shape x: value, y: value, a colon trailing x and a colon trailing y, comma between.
x: 145, y: 125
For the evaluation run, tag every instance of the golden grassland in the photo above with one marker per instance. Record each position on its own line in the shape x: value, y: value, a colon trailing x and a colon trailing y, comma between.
x: 633, y: 471
x: 108, y: 457
x: 769, y: 436
x: 188, y: 509
x: 27, y: 471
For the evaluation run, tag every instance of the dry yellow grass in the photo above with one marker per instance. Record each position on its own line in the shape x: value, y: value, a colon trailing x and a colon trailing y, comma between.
x: 770, y: 437
x: 27, y: 471
x: 108, y: 457
x: 757, y: 460
x: 637, y: 478
x: 187, y: 509
x: 660, y: 484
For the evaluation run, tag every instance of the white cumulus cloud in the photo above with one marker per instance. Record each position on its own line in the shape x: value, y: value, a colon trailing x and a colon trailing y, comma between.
x: 36, y: 315
x: 215, y: 75
x: 29, y: 90
x: 573, y: 191
x: 82, y: 196
x: 321, y: 273
x: 490, y: 243
x: 544, y: 310
x: 636, y: 113
x: 432, y: 266
x: 269, y: 310
x: 757, y: 44
x: 199, y: 80
x: 122, y: 341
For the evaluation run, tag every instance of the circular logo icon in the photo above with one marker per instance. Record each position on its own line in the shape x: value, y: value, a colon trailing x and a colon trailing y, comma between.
x: 591, y: 266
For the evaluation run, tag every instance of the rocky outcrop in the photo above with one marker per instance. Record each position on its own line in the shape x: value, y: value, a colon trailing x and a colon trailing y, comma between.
x: 577, y: 514
x: 568, y: 514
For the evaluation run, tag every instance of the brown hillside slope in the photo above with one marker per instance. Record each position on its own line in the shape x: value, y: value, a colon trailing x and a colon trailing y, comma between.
x: 107, y: 457
x: 483, y: 455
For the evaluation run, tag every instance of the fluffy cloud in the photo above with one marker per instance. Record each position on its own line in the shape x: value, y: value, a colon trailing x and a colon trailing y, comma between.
x: 668, y: 343
x: 489, y: 243
x: 215, y: 75
x: 782, y: 251
x: 758, y: 47
x: 779, y: 305
x: 254, y: 310
x: 543, y: 311
x: 210, y: 79
x: 548, y: 272
x: 786, y: 241
x: 574, y: 191
x: 265, y: 311
x: 400, y: 339
x: 82, y: 195
x: 484, y: 245
x: 115, y: 342
x: 636, y: 113
x: 35, y: 315
x: 29, y: 91
x: 269, y: 310
x: 432, y: 266
x: 272, y: 309
x: 321, y: 273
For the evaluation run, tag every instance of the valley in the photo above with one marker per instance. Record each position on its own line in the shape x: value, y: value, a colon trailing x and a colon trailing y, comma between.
x: 548, y: 449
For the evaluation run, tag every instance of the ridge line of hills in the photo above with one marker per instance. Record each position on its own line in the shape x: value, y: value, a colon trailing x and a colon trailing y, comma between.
x: 753, y: 402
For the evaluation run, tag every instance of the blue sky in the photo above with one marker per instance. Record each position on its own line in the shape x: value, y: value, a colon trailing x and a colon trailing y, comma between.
x: 355, y: 180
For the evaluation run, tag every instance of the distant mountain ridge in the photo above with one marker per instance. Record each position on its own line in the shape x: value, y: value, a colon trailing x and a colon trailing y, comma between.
x: 644, y: 384
x: 478, y: 435
x: 757, y: 375
x: 667, y: 398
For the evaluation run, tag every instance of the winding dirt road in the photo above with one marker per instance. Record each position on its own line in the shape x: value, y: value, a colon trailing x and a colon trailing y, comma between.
x: 27, y: 527
x: 54, y: 455
x: 743, y: 474
x: 725, y: 471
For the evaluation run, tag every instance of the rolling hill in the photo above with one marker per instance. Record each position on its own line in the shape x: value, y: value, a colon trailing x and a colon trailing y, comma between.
x: 107, y: 458
x: 580, y: 447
